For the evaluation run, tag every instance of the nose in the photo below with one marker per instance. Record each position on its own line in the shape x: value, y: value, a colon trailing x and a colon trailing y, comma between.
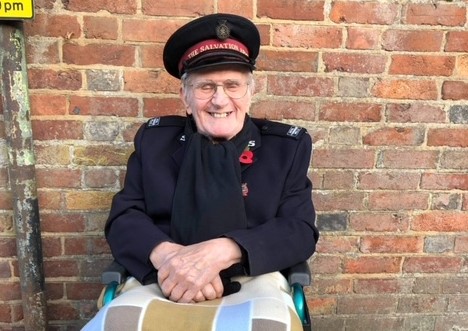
x: 219, y: 97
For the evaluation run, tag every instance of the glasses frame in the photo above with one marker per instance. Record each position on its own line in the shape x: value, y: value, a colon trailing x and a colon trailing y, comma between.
x: 195, y: 85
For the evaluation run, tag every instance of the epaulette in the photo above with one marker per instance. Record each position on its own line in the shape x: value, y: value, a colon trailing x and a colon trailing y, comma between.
x: 279, y: 129
x: 172, y: 120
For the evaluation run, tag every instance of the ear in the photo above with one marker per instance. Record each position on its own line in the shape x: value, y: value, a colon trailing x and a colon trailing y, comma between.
x: 183, y: 97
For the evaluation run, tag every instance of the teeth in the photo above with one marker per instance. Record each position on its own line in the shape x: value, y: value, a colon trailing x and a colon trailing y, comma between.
x: 219, y: 115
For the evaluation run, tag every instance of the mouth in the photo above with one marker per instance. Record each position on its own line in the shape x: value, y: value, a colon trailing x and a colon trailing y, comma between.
x: 219, y: 115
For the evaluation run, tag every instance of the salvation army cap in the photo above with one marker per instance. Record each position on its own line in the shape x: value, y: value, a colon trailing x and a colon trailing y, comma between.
x: 212, y: 40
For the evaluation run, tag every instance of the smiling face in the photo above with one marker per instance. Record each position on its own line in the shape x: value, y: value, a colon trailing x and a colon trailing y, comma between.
x: 218, y: 116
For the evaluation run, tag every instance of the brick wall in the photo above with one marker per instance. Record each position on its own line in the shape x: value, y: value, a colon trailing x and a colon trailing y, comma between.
x: 381, y: 85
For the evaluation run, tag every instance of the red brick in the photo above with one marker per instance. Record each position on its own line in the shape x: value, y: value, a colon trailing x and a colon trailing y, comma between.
x: 279, y: 110
x: 409, y: 159
x: 412, y: 40
x: 326, y: 264
x: 306, y: 36
x: 343, y: 158
x: 88, y: 200
x: 51, y: 247
x: 376, y: 286
x: 49, y: 200
x: 154, y: 107
x: 322, y: 306
x: 455, y: 137
x: 62, y: 311
x: 415, y: 113
x: 372, y: 265
x: 422, y: 65
x: 5, y: 271
x: 455, y: 90
x: 457, y: 41
x: 42, y: 52
x: 5, y: 313
x: 333, y: 180
x: 432, y: 264
x: 296, y: 10
x: 240, y: 7
x: 53, y: 79
x: 7, y: 247
x: 440, y: 221
x: 102, y: 155
x: 151, y: 56
x: 354, y: 63
x: 62, y: 178
x: 398, y: 200
x: 97, y: 178
x: 53, y: 154
x: 379, y: 222
x: 336, y: 245
x: 62, y: 223
x: 100, y: 27
x: 406, y: 89
x: 363, y: 38
x: 389, y: 180
x: 61, y: 129
x: 184, y: 8
x: 149, y: 30
x: 332, y: 286
x: 46, y: 104
x: 395, y: 136
x: 86, y: 246
x: 339, y: 201
x: 440, y: 14
x: 365, y: 13
x: 300, y: 86
x: 391, y: 244
x: 438, y: 181
x: 350, y: 112
x: 10, y: 291
x: 461, y: 245
x: 60, y: 268
x: 421, y: 304
x: 83, y: 291
x: 296, y: 61
x: 111, y: 6
x: 64, y: 26
x: 109, y: 54
x: 108, y: 106
x: 150, y: 81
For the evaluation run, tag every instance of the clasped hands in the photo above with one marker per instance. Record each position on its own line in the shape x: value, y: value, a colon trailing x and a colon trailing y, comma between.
x: 188, y: 274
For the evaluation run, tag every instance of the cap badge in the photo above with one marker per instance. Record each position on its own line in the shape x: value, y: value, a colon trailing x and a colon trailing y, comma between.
x: 222, y: 30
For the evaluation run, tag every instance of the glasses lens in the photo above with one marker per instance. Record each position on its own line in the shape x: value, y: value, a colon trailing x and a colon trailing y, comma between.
x: 233, y: 89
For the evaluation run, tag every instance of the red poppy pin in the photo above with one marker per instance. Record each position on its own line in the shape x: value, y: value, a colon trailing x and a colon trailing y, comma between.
x: 246, y: 157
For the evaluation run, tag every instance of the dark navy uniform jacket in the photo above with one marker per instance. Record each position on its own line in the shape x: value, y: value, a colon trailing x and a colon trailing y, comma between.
x: 278, y: 203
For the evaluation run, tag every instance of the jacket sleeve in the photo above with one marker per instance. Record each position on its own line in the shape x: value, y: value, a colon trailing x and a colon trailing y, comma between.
x: 130, y: 231
x: 289, y: 237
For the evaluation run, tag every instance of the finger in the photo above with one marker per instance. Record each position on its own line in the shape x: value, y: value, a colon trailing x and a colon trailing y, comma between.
x: 209, y: 292
x: 166, y: 287
x: 199, y: 297
x: 218, y: 286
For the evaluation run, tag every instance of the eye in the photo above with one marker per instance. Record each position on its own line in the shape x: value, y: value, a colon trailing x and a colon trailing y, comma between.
x: 231, y: 85
x: 206, y: 86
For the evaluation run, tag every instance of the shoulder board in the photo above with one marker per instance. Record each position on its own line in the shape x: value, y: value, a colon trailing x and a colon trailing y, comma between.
x: 279, y: 129
x: 163, y: 121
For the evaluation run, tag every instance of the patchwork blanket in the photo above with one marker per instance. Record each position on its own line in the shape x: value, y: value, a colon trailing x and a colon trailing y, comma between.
x: 263, y: 304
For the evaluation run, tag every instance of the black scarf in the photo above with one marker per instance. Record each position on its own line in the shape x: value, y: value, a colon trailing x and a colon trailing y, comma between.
x: 208, y: 199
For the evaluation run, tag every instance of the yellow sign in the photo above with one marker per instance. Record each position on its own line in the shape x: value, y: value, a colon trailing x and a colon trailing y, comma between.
x: 16, y: 9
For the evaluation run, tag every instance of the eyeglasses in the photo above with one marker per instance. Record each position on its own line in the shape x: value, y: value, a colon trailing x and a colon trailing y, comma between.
x: 233, y: 89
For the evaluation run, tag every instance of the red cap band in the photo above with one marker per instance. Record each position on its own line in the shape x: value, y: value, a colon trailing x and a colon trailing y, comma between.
x: 210, y: 45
